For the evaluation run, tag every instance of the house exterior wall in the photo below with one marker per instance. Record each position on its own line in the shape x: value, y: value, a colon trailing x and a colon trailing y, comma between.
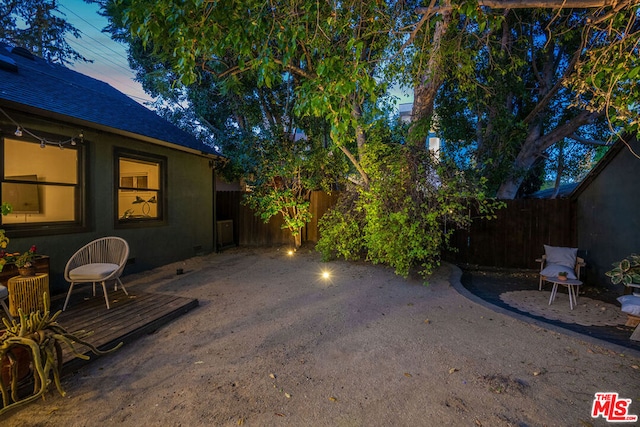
x: 187, y: 231
x: 608, y: 216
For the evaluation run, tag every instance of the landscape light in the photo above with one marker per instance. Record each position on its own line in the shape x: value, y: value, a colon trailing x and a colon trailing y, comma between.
x: 290, y: 252
x: 325, y: 274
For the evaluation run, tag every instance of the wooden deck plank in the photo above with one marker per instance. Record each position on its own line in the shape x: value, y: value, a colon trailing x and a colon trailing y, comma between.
x: 129, y: 318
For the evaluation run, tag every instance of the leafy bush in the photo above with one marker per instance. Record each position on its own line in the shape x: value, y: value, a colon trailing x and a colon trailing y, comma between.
x: 406, y: 216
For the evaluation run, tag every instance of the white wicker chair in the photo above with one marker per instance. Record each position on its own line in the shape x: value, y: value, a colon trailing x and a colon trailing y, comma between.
x: 562, y: 259
x: 97, y: 262
x: 4, y: 294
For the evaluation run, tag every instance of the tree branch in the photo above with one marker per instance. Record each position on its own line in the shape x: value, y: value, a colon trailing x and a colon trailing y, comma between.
x: 527, y: 4
x: 568, y: 129
x: 587, y: 141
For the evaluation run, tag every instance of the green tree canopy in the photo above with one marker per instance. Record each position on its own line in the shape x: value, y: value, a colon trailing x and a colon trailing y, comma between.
x: 40, y: 27
x: 334, y: 62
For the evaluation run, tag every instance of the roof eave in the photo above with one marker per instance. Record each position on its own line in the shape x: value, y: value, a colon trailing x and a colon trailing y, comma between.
x: 87, y: 124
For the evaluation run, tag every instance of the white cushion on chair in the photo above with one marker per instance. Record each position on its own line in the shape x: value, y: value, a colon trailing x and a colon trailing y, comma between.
x: 552, y: 270
x: 96, y: 271
x: 630, y: 304
x: 561, y: 256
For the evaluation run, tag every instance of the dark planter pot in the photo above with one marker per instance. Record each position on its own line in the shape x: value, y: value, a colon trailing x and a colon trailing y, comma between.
x: 21, y: 362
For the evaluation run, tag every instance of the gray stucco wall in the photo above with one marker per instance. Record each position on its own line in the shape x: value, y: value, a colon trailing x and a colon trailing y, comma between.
x: 608, y: 216
x: 189, y: 227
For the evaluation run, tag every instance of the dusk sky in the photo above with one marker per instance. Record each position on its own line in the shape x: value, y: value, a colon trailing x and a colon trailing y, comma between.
x: 110, y: 58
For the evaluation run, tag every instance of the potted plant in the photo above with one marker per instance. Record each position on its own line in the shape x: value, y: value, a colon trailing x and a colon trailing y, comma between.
x: 626, y: 271
x: 562, y: 275
x: 24, y: 261
x: 34, y: 345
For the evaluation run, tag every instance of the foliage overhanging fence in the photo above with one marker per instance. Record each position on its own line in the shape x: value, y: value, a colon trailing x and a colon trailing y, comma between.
x: 513, y: 240
x: 250, y: 230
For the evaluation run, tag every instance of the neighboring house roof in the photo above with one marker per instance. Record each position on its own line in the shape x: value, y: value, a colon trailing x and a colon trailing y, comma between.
x: 564, y: 190
x: 573, y: 190
x: 31, y: 84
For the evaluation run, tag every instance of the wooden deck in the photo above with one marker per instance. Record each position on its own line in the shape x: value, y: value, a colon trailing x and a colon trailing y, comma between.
x: 129, y: 317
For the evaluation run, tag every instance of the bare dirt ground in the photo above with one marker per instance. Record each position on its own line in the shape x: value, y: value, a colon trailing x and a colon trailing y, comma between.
x: 275, y: 344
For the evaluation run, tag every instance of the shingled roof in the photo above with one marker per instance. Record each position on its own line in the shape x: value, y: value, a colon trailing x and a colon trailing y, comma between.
x: 31, y: 84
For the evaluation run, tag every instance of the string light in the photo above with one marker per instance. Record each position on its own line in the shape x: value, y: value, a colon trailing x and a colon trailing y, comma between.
x: 20, y: 130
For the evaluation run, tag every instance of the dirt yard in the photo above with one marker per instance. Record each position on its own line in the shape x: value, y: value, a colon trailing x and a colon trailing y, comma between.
x: 275, y: 344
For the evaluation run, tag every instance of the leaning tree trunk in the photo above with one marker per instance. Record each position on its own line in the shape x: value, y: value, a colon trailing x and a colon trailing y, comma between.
x: 424, y: 93
x: 534, y: 146
x: 526, y: 157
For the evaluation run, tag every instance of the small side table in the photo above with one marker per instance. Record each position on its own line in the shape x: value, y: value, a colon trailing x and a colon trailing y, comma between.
x: 26, y: 293
x: 572, y: 286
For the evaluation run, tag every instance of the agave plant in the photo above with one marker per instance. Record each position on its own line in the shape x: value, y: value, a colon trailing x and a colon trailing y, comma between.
x: 626, y: 271
x: 42, y: 338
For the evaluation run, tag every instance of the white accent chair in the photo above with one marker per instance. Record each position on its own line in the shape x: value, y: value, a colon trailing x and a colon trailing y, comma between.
x: 558, y: 259
x: 4, y: 294
x: 97, y: 262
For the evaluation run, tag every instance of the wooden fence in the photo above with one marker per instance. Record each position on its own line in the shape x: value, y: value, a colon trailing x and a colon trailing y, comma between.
x: 250, y: 230
x: 513, y: 240
x: 516, y: 238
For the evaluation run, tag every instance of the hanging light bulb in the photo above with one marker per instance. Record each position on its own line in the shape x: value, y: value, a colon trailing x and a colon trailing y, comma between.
x: 42, y: 143
x: 18, y: 131
x: 73, y: 141
x: 60, y: 145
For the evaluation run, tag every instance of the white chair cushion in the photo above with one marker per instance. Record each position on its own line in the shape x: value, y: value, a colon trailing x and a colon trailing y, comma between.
x: 552, y: 270
x: 630, y: 304
x: 93, y: 272
x: 4, y: 292
x: 561, y: 256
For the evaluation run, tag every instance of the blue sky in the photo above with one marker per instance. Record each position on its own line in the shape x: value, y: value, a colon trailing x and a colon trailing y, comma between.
x: 110, y: 58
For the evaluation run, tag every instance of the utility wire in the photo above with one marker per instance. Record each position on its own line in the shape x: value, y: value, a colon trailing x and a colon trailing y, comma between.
x: 98, y: 30
x: 104, y: 58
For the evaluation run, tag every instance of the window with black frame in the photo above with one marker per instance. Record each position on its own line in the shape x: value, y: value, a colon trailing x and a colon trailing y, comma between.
x: 140, y: 187
x: 42, y: 184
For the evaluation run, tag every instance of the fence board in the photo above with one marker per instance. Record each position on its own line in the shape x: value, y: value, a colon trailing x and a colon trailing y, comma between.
x: 513, y: 240
x: 251, y: 230
x: 516, y: 238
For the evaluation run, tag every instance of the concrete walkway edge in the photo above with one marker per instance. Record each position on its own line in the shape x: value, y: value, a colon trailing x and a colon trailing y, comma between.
x: 455, y: 280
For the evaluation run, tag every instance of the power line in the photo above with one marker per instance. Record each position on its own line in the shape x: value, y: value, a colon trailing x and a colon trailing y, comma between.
x: 96, y: 40
x: 104, y: 57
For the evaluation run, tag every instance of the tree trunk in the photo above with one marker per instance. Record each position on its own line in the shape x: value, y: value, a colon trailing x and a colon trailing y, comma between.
x: 526, y: 157
x: 424, y: 93
x: 535, y: 144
